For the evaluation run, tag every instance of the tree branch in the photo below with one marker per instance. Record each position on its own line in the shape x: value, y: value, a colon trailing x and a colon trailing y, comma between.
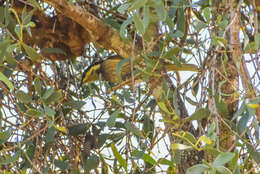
x: 100, y: 33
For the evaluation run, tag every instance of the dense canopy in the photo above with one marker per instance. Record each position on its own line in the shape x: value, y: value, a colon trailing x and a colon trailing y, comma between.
x: 203, y: 120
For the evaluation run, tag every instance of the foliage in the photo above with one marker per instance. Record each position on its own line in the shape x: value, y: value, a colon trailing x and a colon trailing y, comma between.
x: 45, y: 114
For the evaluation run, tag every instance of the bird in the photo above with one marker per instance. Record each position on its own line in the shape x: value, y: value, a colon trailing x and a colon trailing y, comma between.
x: 108, y: 70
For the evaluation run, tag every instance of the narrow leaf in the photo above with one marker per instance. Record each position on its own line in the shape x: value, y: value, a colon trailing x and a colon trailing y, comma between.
x: 92, y: 162
x: 164, y: 108
x: 123, y: 27
x: 177, y: 146
x: 118, y: 156
x: 139, y: 24
x: 77, y: 129
x: 137, y: 4
x: 223, y: 158
x: 199, y: 114
x: 55, y: 96
x: 49, y: 111
x: 53, y: 50
x: 164, y: 161
x: 48, y: 93
x: 132, y: 129
x: 11, y: 159
x: 112, y: 119
x: 63, y: 165
x: 23, y: 97
x: 159, y: 9
x: 147, y: 158
x: 123, y: 8
x: 34, y: 56
x: 223, y: 170
x: 4, y: 136
x: 4, y: 79
x: 198, y: 169
x: 74, y: 104
x: 34, y: 112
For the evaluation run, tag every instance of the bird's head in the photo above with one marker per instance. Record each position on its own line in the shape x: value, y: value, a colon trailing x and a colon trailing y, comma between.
x: 91, y: 74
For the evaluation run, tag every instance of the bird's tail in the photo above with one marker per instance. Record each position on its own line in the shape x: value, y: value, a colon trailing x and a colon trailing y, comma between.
x: 181, y: 67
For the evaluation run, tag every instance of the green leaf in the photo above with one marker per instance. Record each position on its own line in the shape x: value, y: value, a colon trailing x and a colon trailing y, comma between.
x: 257, y: 40
x: 118, y: 156
x: 164, y: 161
x: 146, y: 18
x: 112, y: 119
x: 48, y: 93
x: 148, y: 126
x: 253, y: 152
x: 181, y: 20
x: 112, y: 22
x: 27, y: 16
x: 11, y: 159
x: 2, y: 15
x: 178, y: 34
x: 77, y: 129
x: 189, y: 137
x: 63, y: 165
x: 54, y: 97
x: 23, y: 97
x: 223, y: 170
x: 34, y: 3
x: 34, y: 56
x: 159, y: 9
x: 38, y: 86
x: 147, y: 158
x: 223, y: 158
x: 91, y: 163
x: 53, y: 50
x: 120, y: 65
x: 137, y: 4
x: 173, y: 52
x: 6, y: 81
x: 164, y: 108
x: 132, y: 129
x: 199, y: 114
x: 221, y: 107
x: 123, y: 8
x: 74, y: 104
x: 207, y: 13
x: 4, y: 45
x: 242, y: 123
x: 102, y: 139
x: 50, y: 135
x: 199, y: 25
x: 123, y: 27
x: 239, y: 111
x: 198, y: 169
x: 198, y: 14
x: 177, y: 146
x: 4, y: 136
x: 139, y: 24
x: 34, y: 112
x: 49, y: 111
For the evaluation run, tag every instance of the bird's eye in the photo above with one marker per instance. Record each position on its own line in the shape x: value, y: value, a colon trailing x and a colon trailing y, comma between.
x: 93, y: 71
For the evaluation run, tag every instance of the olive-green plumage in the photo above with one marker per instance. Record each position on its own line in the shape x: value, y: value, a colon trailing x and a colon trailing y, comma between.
x: 108, y: 70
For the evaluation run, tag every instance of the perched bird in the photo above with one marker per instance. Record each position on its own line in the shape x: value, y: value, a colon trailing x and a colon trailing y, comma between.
x: 108, y: 70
